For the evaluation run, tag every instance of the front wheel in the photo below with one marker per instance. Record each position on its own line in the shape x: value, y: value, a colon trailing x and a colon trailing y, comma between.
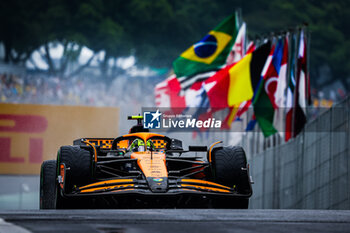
x: 48, y: 185
x: 79, y: 166
x: 230, y: 169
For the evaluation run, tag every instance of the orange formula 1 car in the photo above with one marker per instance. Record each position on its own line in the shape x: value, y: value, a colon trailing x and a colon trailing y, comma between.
x: 144, y: 170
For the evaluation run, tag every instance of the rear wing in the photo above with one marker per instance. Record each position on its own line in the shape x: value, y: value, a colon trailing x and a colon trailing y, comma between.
x: 106, y: 143
x: 103, y: 143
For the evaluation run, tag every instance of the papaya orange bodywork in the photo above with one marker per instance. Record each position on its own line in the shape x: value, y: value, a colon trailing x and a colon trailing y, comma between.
x: 144, y: 136
x: 106, y: 188
x: 123, y: 144
x: 211, y: 148
x: 205, y: 188
x: 151, y: 165
x: 93, y: 147
x: 204, y: 183
x: 123, y: 190
x: 108, y: 182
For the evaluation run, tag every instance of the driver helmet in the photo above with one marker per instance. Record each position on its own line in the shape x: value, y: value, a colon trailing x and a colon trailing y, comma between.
x: 150, y: 145
x: 137, y: 145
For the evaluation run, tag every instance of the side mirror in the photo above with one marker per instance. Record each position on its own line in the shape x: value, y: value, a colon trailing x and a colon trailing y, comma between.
x: 175, y: 144
x: 198, y: 148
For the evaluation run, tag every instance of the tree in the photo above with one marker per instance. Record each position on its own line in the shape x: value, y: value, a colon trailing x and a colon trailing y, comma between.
x: 20, y: 29
x: 156, y: 32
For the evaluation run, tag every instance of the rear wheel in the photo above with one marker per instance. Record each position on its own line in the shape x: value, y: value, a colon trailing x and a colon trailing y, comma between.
x: 230, y: 169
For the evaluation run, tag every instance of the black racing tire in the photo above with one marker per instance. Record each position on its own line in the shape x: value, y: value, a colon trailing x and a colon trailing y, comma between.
x: 48, y: 185
x: 79, y: 167
x: 227, y: 164
x: 227, y: 168
x: 238, y: 203
x: 241, y: 203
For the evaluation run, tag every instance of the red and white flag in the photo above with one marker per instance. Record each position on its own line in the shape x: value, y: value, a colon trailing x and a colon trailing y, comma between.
x: 167, y: 94
x: 161, y: 92
x: 300, y: 98
x: 238, y: 49
x: 280, y: 97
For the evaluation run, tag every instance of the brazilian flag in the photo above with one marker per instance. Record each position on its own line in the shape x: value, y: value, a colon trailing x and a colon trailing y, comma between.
x: 210, y: 52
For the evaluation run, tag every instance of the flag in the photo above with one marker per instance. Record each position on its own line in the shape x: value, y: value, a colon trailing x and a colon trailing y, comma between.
x: 280, y: 97
x: 263, y: 108
x: 196, y: 96
x: 161, y: 92
x: 290, y: 93
x: 236, y: 54
x: 251, y: 47
x: 197, y: 105
x: 187, y: 82
x: 236, y: 83
x: 209, y: 53
x: 236, y: 112
x: 229, y: 118
x: 243, y: 107
x: 238, y: 49
x: 272, y: 74
x: 167, y: 94
x: 251, y: 124
x: 307, y: 74
x: 300, y: 97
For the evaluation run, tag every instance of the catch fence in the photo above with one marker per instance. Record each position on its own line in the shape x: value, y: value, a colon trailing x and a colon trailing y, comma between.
x: 311, y: 171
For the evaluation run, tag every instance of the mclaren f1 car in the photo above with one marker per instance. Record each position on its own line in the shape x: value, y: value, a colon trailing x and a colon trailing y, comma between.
x: 145, y: 170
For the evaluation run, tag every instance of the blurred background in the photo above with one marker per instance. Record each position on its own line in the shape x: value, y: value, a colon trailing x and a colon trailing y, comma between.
x: 110, y: 54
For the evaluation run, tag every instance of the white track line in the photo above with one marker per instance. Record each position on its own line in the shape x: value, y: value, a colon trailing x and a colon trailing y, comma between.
x: 6, y: 227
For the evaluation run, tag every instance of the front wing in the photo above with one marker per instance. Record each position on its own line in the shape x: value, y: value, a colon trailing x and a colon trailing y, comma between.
x: 175, y: 187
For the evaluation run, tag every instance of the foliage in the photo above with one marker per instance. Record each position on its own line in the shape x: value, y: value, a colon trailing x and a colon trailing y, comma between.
x: 156, y: 32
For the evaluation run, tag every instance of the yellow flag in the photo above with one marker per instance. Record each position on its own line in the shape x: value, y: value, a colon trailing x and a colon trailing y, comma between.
x: 240, y: 87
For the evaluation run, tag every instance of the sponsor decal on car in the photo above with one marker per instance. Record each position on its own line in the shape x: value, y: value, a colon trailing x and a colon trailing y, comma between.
x: 157, y: 179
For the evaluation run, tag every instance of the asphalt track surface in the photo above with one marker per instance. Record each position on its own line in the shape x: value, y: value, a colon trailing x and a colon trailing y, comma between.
x: 174, y: 220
